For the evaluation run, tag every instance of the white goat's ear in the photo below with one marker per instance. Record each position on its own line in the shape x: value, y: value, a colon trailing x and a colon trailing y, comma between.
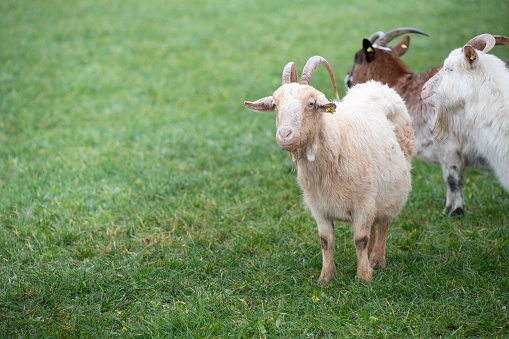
x: 470, y: 55
x: 264, y: 105
x: 324, y: 106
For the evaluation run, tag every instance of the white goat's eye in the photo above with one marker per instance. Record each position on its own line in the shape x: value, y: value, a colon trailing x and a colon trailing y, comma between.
x: 311, y: 104
x: 274, y: 105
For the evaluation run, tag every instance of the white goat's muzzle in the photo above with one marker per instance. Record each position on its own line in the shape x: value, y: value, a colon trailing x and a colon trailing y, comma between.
x: 426, y: 95
x: 287, y: 140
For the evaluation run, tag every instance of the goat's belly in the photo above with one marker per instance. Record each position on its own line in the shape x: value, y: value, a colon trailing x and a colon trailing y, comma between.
x: 425, y: 149
x: 496, y: 150
x: 328, y: 206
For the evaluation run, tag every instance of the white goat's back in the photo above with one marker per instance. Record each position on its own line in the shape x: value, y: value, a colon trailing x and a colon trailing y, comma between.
x: 375, y: 167
x: 388, y: 103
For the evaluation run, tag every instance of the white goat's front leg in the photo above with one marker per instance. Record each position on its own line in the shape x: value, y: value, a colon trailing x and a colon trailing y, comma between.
x: 361, y: 234
x: 453, y: 168
x: 326, y: 234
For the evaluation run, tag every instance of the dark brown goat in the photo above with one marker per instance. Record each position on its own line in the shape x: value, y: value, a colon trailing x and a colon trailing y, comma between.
x: 376, y: 61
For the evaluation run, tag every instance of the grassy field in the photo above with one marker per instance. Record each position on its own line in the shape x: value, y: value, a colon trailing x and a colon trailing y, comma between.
x: 139, y: 198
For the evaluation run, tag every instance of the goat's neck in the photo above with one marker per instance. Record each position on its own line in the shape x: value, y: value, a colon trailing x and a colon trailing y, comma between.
x: 409, y: 88
x: 409, y: 85
x: 319, y: 156
x: 492, y: 100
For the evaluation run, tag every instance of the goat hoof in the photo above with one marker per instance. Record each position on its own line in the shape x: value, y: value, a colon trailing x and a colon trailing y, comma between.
x: 326, y: 276
x: 458, y: 212
x: 323, y: 282
x: 366, y: 275
x: 380, y: 262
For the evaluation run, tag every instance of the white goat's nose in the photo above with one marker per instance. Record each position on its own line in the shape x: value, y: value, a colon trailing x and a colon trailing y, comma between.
x: 285, y: 132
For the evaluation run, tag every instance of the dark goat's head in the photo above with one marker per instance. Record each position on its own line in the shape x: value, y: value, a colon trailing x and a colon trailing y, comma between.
x: 376, y: 61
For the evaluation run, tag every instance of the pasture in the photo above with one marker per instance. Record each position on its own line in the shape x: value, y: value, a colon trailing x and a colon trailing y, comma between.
x: 140, y: 198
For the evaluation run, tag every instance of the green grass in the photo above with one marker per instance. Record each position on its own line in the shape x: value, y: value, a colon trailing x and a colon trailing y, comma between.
x: 139, y: 198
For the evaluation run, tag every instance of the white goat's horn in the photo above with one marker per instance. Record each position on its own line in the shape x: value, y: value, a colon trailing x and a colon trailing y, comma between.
x: 290, y: 73
x: 397, y: 32
x: 484, y: 42
x: 377, y: 35
x: 310, y: 67
x: 501, y: 40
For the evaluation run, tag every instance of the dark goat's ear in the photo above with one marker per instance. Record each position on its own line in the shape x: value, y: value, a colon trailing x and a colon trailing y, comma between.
x: 368, y: 50
x: 402, y: 46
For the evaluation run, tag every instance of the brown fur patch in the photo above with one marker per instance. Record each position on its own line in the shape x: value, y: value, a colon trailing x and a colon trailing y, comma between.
x: 324, y: 243
x: 361, y: 243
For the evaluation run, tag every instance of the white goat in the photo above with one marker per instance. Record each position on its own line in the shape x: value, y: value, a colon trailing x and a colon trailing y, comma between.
x: 475, y: 85
x: 353, y: 165
x: 377, y: 61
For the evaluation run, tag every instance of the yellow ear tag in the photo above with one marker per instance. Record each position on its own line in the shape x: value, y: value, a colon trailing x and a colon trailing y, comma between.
x: 330, y: 111
x: 404, y: 46
x: 369, y: 50
x: 472, y: 57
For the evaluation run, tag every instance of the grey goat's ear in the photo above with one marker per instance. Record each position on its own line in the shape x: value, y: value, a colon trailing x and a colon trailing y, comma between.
x: 470, y: 55
x: 264, y: 105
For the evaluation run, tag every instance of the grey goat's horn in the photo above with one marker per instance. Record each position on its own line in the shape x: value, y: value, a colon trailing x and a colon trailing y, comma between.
x: 487, y: 41
x: 484, y: 42
x: 501, y: 40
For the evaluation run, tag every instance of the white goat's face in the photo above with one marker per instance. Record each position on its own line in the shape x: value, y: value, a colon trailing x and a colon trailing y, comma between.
x: 448, y: 89
x: 298, y: 110
x: 445, y: 90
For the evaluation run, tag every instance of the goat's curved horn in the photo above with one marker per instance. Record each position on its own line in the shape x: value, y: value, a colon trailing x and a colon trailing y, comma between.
x: 484, y: 41
x: 310, y: 67
x: 377, y: 35
x: 501, y: 40
x: 389, y: 36
x: 290, y: 73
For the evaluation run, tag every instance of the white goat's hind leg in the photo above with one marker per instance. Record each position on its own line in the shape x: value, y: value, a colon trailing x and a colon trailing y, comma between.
x: 372, y: 240
x: 326, y: 234
x: 361, y: 233
x: 453, y: 172
x: 377, y: 255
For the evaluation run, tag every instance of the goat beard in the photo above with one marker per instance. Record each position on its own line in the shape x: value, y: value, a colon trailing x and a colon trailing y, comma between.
x: 446, y: 119
x: 442, y: 125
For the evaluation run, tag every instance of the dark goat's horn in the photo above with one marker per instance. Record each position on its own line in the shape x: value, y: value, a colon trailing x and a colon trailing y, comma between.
x: 377, y: 35
x: 290, y: 73
x: 310, y: 67
x: 397, y: 32
x: 484, y: 42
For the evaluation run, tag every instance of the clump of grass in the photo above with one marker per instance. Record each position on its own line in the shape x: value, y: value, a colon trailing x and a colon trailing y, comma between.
x: 139, y: 198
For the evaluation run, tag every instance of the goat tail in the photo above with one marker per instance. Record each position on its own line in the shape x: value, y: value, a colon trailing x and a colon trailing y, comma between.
x: 406, y: 139
x: 397, y: 114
